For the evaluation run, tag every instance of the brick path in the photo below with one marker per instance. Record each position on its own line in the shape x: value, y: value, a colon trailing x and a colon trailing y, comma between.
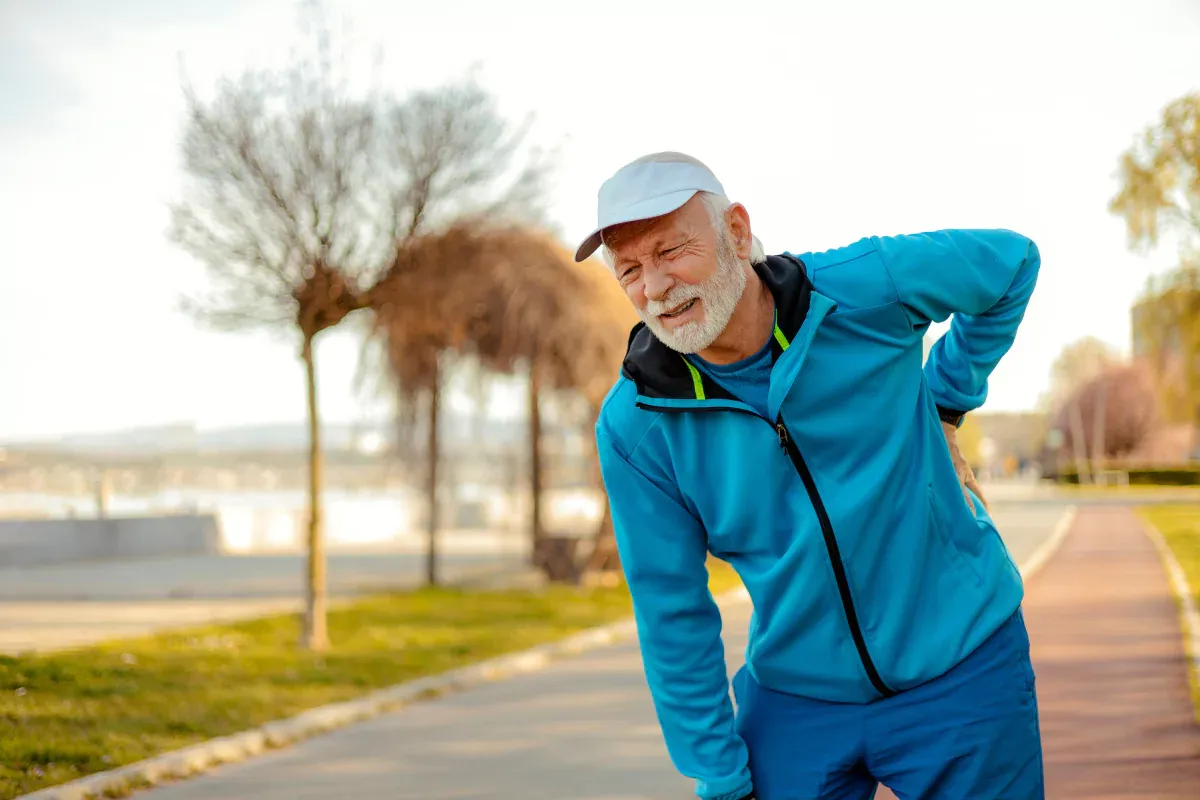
x: 1116, y: 716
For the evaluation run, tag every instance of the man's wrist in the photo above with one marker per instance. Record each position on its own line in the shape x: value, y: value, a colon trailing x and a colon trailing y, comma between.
x: 951, y: 416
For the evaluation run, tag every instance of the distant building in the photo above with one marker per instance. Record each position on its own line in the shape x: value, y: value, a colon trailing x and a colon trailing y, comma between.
x: 1154, y: 339
x: 1018, y: 435
x: 1158, y: 342
x: 1154, y: 324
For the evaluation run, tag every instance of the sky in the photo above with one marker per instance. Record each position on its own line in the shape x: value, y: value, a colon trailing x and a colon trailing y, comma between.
x: 828, y: 125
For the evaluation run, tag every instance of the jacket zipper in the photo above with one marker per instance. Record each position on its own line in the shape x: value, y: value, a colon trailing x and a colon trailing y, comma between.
x: 831, y: 545
x: 835, y: 556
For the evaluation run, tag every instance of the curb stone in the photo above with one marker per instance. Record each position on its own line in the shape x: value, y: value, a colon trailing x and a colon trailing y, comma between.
x: 1189, y: 615
x: 237, y: 747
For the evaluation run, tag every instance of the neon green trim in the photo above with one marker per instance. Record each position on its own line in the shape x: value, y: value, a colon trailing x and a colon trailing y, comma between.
x: 779, y: 337
x: 697, y: 381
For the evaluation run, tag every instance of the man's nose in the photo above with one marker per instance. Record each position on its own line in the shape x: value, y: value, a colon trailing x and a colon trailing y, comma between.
x: 658, y: 283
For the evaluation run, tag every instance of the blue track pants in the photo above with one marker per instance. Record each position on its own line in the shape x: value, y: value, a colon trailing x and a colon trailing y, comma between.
x: 971, y: 734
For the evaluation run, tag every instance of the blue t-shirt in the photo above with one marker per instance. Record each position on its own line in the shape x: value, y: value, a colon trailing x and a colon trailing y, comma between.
x: 749, y: 380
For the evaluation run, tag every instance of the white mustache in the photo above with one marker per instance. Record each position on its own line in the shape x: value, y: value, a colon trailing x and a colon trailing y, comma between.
x: 674, y: 299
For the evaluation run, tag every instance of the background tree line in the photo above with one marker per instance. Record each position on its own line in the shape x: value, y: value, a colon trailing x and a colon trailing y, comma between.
x: 1106, y: 408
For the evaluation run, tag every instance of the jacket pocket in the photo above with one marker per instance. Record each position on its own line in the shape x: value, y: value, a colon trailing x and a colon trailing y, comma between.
x: 941, y: 525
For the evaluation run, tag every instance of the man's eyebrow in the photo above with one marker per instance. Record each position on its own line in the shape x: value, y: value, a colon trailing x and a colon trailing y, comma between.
x: 623, y: 263
x: 668, y: 239
x: 658, y: 242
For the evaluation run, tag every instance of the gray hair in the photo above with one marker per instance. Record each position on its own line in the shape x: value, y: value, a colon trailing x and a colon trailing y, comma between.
x: 716, y: 205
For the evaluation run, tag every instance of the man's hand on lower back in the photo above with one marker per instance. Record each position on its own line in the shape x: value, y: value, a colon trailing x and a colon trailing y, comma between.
x: 966, y: 477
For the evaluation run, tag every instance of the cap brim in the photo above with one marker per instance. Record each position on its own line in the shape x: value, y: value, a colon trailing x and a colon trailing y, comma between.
x: 647, y: 209
x: 590, y: 245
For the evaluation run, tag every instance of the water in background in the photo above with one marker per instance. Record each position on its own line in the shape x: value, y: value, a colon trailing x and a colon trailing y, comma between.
x: 393, y: 519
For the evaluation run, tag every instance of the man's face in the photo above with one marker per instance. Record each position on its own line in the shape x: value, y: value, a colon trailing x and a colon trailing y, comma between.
x: 681, y: 274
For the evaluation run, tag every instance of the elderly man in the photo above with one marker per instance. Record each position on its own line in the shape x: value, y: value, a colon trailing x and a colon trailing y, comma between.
x: 773, y: 411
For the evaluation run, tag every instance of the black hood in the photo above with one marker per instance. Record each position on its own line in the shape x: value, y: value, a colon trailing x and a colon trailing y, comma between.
x: 659, y: 371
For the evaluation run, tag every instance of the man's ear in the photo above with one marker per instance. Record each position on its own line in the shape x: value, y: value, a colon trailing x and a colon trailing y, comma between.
x: 739, y: 227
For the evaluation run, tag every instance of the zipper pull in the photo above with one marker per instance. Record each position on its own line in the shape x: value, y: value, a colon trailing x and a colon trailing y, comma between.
x: 783, y: 435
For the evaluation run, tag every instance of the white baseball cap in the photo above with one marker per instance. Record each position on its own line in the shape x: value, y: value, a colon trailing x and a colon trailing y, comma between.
x: 649, y: 187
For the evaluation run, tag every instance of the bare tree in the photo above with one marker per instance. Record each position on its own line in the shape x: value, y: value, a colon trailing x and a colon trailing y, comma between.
x: 1123, y: 398
x: 513, y: 298
x: 456, y: 164
x: 1078, y: 363
x: 456, y: 156
x: 300, y: 193
x: 279, y: 203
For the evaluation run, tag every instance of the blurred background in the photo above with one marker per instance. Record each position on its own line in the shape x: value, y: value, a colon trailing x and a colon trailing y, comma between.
x: 206, y: 207
x: 288, y: 312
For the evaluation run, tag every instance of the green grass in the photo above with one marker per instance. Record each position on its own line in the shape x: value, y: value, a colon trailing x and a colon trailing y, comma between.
x: 1180, y: 526
x: 64, y: 715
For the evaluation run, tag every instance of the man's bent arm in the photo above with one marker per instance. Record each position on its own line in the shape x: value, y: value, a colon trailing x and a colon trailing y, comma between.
x: 663, y: 552
x: 985, y: 279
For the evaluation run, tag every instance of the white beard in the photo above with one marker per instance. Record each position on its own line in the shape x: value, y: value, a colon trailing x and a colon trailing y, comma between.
x: 719, y: 295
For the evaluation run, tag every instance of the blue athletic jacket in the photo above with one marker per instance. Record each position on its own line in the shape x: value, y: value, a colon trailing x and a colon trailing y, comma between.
x: 841, y: 510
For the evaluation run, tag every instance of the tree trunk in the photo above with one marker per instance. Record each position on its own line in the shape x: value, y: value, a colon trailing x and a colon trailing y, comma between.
x: 316, y: 636
x: 1079, y: 442
x: 433, y: 456
x: 535, y: 464
x: 1099, y: 428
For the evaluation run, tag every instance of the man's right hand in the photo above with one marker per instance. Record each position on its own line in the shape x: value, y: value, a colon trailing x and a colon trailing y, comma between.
x: 966, y: 477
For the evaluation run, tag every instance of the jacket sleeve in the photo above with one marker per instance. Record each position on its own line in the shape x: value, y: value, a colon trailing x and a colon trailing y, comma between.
x: 984, y: 278
x: 663, y: 552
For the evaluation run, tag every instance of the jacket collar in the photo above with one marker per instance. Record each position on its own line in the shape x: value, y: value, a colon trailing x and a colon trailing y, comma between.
x: 660, y: 372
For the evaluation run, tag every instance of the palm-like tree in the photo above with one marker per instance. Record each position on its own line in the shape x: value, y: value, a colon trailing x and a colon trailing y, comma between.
x: 512, y: 297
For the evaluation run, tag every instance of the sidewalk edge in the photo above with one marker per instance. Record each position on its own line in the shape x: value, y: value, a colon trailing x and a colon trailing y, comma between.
x: 1048, y: 548
x: 198, y: 758
x: 1189, y: 616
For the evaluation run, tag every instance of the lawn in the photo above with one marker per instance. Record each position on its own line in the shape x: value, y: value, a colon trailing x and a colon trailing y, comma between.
x: 1180, y: 526
x: 65, y: 715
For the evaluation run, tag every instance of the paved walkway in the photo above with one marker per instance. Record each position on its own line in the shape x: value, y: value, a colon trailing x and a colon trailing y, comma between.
x: 1116, y: 716
x: 584, y: 729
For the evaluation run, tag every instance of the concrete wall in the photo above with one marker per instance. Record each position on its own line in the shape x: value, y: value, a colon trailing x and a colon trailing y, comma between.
x: 62, y: 541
